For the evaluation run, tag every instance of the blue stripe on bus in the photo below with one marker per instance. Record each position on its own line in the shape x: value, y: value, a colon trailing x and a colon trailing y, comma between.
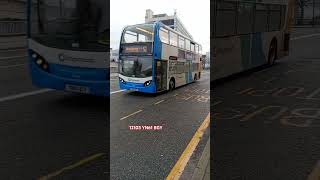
x: 139, y: 87
x: 257, y: 54
x: 44, y: 79
x: 78, y: 73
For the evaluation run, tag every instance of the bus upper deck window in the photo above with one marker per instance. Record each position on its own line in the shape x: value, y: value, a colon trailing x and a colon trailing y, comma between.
x: 164, y: 35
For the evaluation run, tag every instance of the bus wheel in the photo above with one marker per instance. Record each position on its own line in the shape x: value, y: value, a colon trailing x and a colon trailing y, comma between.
x: 171, y: 84
x: 195, y: 77
x: 272, y: 53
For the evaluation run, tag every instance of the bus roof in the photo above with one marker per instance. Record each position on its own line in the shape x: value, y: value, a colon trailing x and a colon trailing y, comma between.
x: 167, y: 27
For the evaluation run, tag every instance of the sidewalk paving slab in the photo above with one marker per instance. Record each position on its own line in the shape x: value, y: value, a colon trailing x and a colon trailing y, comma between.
x: 202, y: 171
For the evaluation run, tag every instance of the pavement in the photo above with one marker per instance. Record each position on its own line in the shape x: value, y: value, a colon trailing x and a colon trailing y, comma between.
x: 267, y: 121
x: 202, y: 171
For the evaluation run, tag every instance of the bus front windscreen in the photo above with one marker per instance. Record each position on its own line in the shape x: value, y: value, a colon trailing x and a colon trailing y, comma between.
x: 139, y: 67
x: 138, y: 33
x: 70, y: 24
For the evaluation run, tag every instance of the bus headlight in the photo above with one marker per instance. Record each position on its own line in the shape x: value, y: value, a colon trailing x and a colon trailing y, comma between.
x: 40, y: 61
x: 122, y: 81
x: 147, y: 83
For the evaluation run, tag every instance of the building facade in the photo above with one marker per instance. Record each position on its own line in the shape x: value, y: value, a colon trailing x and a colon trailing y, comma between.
x: 172, y: 21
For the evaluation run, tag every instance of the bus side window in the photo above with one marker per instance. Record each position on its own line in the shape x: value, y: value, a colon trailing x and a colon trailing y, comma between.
x: 181, y: 42
x: 226, y: 12
x: 275, y: 17
x: 283, y: 15
x: 192, y: 47
x: 261, y: 18
x: 245, y: 18
x: 164, y: 35
x: 187, y: 45
x: 173, y: 38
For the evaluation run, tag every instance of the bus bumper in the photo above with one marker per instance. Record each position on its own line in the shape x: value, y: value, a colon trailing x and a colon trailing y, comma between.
x: 138, y: 87
x: 44, y: 79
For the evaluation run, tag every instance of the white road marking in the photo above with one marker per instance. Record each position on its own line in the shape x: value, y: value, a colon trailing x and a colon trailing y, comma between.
x: 22, y: 95
x: 158, y: 102
x: 32, y: 93
x: 131, y: 115
x: 12, y: 66
x: 12, y: 57
x: 114, y: 92
x: 305, y: 36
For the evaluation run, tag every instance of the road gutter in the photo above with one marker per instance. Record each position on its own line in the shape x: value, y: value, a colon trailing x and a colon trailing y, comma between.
x: 178, y: 168
x: 203, y: 165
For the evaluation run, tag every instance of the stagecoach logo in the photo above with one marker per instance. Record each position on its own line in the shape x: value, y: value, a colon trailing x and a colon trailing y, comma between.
x: 133, y: 80
x: 62, y: 57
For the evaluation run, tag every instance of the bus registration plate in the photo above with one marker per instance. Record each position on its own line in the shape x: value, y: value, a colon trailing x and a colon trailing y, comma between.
x: 77, y: 89
x: 134, y: 89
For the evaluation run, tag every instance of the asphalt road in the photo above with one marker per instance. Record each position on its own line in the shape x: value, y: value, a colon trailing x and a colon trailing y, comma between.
x: 141, y: 154
x: 267, y: 123
x: 58, y: 135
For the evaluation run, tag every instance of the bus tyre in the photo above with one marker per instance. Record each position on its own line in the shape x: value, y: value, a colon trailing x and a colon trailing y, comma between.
x: 171, y: 84
x: 272, y: 53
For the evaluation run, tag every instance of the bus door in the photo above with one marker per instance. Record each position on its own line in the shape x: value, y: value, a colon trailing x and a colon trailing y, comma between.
x: 161, y: 75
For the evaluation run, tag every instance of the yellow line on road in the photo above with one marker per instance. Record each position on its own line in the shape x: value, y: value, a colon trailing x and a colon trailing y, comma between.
x: 178, y: 168
x: 158, y: 102
x: 72, y: 166
x: 131, y: 114
x: 315, y: 174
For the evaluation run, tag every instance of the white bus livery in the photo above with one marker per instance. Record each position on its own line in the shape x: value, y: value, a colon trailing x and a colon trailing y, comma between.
x: 248, y: 34
x: 154, y: 58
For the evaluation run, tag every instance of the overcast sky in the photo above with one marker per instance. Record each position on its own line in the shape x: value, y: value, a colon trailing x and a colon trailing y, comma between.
x: 194, y: 14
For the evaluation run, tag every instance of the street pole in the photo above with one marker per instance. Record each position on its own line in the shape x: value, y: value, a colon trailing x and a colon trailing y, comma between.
x: 313, y: 13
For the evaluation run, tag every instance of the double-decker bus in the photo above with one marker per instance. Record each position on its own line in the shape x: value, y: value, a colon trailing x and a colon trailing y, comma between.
x: 68, y: 45
x: 248, y: 34
x: 154, y: 58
